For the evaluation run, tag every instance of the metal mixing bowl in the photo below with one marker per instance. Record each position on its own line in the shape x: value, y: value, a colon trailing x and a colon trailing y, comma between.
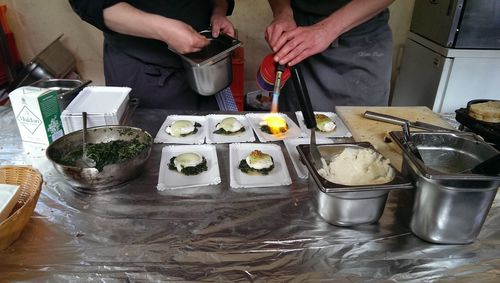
x: 112, y: 174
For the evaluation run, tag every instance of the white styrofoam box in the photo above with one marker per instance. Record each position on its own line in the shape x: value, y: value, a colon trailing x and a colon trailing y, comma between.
x: 37, y: 114
x: 104, y: 106
x: 9, y: 194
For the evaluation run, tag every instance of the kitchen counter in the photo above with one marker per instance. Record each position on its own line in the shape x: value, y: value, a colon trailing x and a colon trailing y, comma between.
x: 136, y: 233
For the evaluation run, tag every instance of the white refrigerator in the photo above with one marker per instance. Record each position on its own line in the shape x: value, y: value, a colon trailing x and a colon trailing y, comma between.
x: 445, y: 79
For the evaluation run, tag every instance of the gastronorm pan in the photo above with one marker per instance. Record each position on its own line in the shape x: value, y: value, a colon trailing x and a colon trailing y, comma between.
x: 344, y: 205
x: 210, y: 70
x: 450, y: 203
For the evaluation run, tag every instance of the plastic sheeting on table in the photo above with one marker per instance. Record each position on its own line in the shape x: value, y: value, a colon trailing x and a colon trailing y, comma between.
x: 136, y: 233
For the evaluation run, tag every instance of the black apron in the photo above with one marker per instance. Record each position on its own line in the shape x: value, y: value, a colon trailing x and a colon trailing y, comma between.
x: 155, y: 86
x: 354, y: 70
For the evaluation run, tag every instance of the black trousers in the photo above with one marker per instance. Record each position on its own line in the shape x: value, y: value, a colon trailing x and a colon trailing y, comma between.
x: 354, y: 70
x: 155, y: 86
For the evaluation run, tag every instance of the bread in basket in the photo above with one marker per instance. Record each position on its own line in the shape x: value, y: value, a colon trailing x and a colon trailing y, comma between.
x: 30, y: 182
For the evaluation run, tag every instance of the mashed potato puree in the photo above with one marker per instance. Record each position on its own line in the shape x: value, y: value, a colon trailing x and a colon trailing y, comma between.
x: 355, y: 167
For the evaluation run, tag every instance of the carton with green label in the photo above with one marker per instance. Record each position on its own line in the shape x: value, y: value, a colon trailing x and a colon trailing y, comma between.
x: 37, y: 114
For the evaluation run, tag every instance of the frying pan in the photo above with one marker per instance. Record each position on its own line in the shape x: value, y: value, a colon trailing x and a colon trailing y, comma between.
x: 489, y: 131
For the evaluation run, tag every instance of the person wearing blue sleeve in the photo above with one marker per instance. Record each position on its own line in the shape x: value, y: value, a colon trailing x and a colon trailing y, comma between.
x: 344, y: 48
x: 137, y: 38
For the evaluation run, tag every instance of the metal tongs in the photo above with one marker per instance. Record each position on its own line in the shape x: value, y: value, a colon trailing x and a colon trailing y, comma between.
x: 408, y: 141
x: 308, y: 113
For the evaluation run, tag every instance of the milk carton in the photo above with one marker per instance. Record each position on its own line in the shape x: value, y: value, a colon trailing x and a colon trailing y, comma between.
x: 37, y: 114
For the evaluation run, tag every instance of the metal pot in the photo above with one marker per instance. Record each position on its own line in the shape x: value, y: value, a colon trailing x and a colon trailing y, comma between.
x: 92, y: 179
x: 210, y: 70
x: 450, y: 203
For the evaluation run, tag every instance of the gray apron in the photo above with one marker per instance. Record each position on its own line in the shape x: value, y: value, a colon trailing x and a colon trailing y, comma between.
x: 155, y: 86
x: 353, y: 70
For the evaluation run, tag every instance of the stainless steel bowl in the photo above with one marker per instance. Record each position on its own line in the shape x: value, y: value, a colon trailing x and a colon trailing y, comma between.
x: 450, y: 205
x: 210, y: 70
x: 111, y: 175
x: 344, y: 205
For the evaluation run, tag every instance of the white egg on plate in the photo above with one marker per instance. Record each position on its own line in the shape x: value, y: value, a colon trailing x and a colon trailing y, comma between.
x: 229, y: 124
x: 181, y: 128
x: 259, y: 160
x: 188, y: 159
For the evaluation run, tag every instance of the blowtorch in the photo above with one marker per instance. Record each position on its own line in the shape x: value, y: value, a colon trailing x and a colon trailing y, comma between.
x: 272, y: 76
x: 270, y: 72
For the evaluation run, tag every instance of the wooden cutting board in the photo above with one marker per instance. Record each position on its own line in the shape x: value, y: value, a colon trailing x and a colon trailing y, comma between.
x: 372, y: 131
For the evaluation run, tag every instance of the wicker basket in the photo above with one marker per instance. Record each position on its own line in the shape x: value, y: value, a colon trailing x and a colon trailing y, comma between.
x: 30, y: 182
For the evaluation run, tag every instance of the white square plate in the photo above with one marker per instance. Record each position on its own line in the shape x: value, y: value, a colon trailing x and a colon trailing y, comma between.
x: 9, y: 194
x: 255, y: 119
x: 291, y: 147
x: 172, y: 179
x: 213, y: 120
x: 340, y: 131
x: 198, y: 138
x: 279, y: 176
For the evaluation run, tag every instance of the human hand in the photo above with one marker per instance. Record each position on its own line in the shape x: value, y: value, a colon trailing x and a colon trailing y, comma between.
x: 182, y: 37
x: 220, y: 23
x: 302, y: 42
x: 278, y: 26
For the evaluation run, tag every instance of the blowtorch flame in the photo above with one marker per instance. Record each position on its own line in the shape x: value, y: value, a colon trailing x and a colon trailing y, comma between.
x: 277, y: 125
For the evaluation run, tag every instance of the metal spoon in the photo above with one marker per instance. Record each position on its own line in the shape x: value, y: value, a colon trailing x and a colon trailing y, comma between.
x: 85, y: 161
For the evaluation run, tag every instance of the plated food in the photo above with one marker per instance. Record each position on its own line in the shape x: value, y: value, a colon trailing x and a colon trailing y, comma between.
x: 257, y: 165
x: 486, y: 111
x: 324, y: 123
x: 188, y: 166
x: 270, y: 127
x: 188, y: 163
x: 353, y: 167
x: 273, y: 124
x: 183, y: 128
x: 328, y: 125
x: 229, y: 126
x: 257, y: 162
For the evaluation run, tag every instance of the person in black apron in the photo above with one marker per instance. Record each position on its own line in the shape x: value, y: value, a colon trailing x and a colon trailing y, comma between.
x: 136, y: 51
x: 344, y: 48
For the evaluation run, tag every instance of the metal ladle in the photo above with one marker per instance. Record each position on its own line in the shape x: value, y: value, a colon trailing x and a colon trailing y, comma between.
x: 85, y: 161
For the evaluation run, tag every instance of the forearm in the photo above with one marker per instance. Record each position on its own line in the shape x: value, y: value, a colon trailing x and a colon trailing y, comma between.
x: 220, y: 7
x: 353, y: 14
x: 126, y: 19
x: 281, y: 8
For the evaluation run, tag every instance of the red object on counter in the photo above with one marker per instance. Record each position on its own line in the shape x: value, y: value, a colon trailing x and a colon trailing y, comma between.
x: 266, y: 75
x: 237, y: 89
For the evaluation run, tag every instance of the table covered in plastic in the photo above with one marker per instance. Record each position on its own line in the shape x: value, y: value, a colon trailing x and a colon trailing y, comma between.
x: 136, y: 233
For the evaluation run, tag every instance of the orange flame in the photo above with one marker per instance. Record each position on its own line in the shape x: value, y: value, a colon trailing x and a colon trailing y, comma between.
x: 277, y: 125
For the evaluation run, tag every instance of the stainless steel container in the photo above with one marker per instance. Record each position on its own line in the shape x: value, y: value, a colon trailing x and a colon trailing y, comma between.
x: 347, y: 205
x: 450, y: 205
x: 210, y: 70
x: 91, y: 179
